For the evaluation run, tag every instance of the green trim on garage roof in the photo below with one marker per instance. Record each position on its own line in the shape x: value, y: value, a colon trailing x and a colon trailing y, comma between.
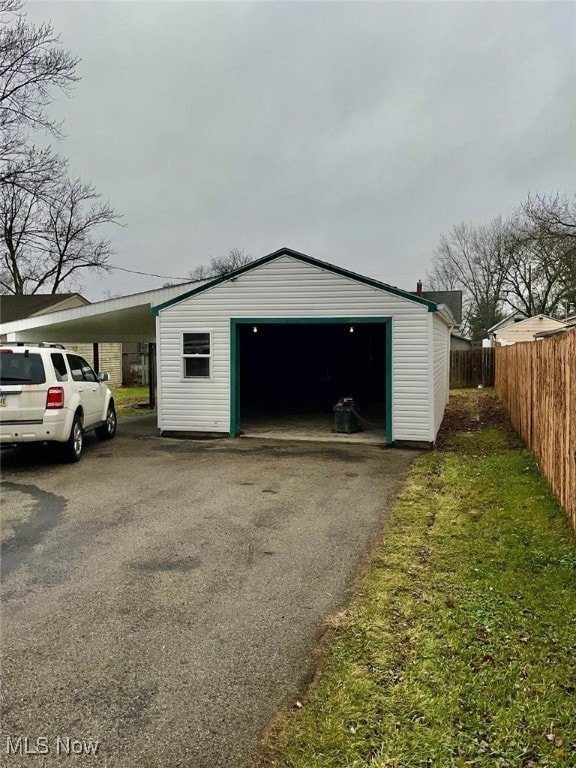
x: 432, y: 307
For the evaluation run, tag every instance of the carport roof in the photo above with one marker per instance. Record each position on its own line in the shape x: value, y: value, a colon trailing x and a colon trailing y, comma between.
x: 432, y: 306
x: 127, y: 318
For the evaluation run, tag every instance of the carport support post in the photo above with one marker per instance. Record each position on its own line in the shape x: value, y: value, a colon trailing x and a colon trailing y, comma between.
x: 152, y: 373
x: 96, y: 356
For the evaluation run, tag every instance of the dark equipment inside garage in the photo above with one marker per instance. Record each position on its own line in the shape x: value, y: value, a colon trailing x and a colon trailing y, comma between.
x: 294, y: 369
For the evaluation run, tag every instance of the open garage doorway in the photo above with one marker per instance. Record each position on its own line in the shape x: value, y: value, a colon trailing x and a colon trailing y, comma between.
x: 288, y: 374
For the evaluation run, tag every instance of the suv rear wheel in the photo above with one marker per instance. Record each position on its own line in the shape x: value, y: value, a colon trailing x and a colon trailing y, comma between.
x: 108, y: 429
x: 72, y: 448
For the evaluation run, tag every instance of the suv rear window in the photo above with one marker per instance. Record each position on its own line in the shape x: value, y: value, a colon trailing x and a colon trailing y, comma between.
x: 21, y: 368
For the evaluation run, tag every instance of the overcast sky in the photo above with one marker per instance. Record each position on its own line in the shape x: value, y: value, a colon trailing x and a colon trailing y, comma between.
x: 355, y: 132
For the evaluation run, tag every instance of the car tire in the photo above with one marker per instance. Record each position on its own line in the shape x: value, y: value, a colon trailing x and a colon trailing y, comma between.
x: 72, y: 448
x: 108, y: 429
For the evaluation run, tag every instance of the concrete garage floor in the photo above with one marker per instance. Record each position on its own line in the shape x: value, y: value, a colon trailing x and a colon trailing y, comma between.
x: 165, y: 597
x: 308, y: 425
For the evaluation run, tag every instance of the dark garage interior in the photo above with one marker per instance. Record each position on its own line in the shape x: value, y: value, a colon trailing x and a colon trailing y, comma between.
x: 293, y: 374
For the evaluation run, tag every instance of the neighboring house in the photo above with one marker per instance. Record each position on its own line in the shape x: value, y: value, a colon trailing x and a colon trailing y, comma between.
x: 522, y: 329
x: 17, y: 307
x: 20, y: 307
x: 459, y: 342
x: 511, y: 319
x: 286, y: 330
x: 452, y: 299
x: 569, y: 324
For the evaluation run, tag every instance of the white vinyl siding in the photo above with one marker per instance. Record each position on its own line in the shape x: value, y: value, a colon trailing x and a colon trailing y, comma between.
x: 440, y: 368
x: 288, y: 288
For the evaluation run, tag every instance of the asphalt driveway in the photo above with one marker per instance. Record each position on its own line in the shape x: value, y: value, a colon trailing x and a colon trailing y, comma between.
x: 165, y: 597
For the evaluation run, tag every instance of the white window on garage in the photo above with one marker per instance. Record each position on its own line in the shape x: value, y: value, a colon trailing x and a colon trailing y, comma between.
x: 197, y: 351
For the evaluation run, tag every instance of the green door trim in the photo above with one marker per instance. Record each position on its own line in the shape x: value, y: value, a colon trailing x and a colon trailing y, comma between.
x: 235, y: 358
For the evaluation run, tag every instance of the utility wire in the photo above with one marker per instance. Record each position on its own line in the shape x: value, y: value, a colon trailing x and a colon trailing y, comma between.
x: 201, y: 280
x: 153, y: 274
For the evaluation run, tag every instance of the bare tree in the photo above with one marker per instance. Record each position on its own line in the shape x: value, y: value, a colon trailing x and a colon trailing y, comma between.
x: 73, y: 217
x: 554, y: 215
x: 23, y: 227
x: 541, y: 277
x: 536, y: 278
x: 50, y: 224
x: 50, y: 232
x: 234, y: 259
x: 200, y: 272
x: 473, y: 259
x: 526, y: 263
x: 221, y: 265
x: 32, y: 66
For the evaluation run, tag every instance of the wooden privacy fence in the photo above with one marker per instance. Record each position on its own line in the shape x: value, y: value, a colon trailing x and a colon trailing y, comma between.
x: 471, y: 367
x: 536, y: 381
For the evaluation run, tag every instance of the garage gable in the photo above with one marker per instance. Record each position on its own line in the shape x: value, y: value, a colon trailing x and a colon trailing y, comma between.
x: 321, y: 267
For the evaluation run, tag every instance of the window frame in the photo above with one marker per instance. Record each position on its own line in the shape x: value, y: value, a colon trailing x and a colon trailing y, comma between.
x: 208, y: 356
x: 86, y: 365
x: 61, y: 377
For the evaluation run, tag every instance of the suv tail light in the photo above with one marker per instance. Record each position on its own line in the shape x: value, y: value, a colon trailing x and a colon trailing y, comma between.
x: 55, y: 397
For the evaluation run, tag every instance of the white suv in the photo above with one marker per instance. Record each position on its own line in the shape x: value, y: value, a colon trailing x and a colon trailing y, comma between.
x: 48, y: 393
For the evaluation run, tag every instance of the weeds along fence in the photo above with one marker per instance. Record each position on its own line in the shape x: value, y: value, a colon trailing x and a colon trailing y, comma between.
x: 536, y: 381
x: 471, y: 367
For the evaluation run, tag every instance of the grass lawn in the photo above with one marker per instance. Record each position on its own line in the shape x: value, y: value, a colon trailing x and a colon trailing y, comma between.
x: 131, y: 401
x: 460, y: 649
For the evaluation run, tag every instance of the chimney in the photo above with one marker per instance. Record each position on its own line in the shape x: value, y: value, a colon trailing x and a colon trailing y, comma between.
x: 419, y: 288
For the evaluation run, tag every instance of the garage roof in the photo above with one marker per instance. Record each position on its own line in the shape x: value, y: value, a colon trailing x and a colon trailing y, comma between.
x: 131, y: 318
x: 432, y: 306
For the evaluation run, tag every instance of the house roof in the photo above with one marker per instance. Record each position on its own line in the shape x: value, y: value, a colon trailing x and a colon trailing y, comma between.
x: 452, y: 299
x: 19, y: 307
x: 569, y: 325
x: 520, y: 323
x: 431, y: 305
x: 506, y: 320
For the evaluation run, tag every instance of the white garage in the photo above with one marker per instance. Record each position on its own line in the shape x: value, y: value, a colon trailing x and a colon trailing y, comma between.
x: 289, y: 334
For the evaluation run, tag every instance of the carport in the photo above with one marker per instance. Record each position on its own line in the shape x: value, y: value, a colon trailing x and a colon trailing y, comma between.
x: 123, y: 319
